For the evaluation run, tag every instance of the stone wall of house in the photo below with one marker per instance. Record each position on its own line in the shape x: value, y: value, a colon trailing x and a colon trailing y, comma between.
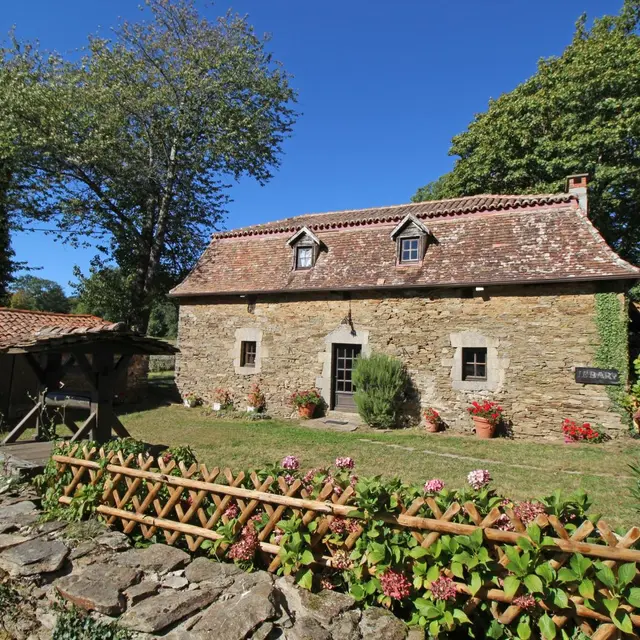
x: 535, y: 335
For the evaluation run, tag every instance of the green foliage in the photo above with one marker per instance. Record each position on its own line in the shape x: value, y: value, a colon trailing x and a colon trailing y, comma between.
x: 105, y: 293
x: 388, y: 566
x: 380, y: 383
x: 564, y: 120
x: 6, y: 253
x: 38, y: 294
x: 163, y: 322
x: 132, y: 144
x: 74, y: 624
x: 613, y: 348
x: 51, y: 483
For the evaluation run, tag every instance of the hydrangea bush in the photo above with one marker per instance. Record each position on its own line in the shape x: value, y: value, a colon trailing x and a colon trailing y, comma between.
x: 379, y: 563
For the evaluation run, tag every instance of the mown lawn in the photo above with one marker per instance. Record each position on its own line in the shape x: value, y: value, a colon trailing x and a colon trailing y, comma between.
x: 520, y: 469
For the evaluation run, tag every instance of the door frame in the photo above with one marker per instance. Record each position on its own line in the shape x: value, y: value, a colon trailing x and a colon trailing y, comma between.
x: 334, y: 363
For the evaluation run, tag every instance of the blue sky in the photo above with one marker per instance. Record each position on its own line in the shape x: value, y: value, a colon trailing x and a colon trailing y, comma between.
x: 383, y: 86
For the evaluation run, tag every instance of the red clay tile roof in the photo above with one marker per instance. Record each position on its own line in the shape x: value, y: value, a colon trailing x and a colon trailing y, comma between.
x: 22, y: 330
x: 16, y: 323
x: 476, y: 240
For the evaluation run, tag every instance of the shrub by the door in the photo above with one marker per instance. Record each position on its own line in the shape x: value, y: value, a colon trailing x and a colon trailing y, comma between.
x: 380, y: 382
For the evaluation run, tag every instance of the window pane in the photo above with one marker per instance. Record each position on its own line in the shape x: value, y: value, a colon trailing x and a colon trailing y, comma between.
x: 474, y: 363
x: 304, y: 255
x: 409, y: 250
x: 248, y: 354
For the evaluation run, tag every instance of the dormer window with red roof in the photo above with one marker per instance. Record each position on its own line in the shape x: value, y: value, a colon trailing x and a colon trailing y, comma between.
x: 411, y: 241
x: 306, y: 247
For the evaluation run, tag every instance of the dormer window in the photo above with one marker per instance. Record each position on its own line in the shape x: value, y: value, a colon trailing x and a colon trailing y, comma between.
x: 410, y: 237
x: 304, y: 257
x: 306, y: 247
x: 409, y: 250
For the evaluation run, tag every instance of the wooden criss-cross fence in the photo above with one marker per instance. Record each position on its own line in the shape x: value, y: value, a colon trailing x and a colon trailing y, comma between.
x: 154, y: 495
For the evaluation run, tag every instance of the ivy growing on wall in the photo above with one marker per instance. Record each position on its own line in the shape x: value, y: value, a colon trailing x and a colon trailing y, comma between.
x: 613, y: 350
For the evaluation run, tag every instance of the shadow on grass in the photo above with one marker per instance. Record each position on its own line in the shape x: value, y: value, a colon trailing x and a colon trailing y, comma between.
x: 162, y: 392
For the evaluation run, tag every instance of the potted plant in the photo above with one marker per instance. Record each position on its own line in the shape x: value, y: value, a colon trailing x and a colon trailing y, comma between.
x: 432, y: 420
x: 306, y: 401
x: 486, y: 416
x: 255, y: 399
x: 222, y: 399
x: 192, y: 400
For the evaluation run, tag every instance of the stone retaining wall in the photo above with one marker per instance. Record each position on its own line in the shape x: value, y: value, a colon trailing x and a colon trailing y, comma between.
x: 534, y: 336
x: 159, y: 591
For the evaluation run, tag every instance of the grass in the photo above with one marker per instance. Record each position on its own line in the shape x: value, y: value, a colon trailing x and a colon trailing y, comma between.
x: 520, y: 469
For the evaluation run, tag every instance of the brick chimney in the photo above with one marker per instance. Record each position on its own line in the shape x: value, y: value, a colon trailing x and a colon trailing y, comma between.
x: 577, y: 186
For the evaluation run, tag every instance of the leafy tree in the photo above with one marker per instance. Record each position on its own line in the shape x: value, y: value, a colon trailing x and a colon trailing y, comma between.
x: 580, y: 113
x: 105, y: 293
x: 133, y: 144
x: 163, y: 322
x: 6, y: 253
x: 38, y: 294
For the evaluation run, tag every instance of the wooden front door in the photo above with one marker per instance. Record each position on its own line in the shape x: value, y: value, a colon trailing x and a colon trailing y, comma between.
x: 344, y: 356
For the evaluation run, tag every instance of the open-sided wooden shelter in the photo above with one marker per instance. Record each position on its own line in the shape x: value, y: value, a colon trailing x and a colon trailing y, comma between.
x: 100, y: 350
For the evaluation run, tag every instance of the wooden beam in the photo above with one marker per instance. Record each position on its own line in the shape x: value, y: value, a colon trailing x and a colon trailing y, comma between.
x: 34, y: 365
x: 86, y: 427
x: 70, y: 424
x: 122, y: 363
x: 86, y: 368
x: 23, y: 425
x: 117, y: 426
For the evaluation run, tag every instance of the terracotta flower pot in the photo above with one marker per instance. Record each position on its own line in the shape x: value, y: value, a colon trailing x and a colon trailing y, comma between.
x: 306, y: 411
x: 431, y: 426
x: 484, y: 429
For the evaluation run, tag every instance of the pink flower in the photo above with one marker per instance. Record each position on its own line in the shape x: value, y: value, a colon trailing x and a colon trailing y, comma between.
x: 232, y: 511
x: 341, y: 560
x: 290, y: 463
x: 353, y: 480
x: 395, y: 585
x: 527, y: 511
x: 504, y: 523
x: 526, y: 602
x: 443, y: 589
x: 325, y: 583
x: 246, y: 546
x: 277, y: 535
x: 434, y: 486
x: 479, y: 478
x: 289, y: 479
x: 338, y: 525
x: 345, y: 463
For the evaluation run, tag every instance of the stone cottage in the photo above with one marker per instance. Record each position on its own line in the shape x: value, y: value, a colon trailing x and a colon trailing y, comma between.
x: 487, y: 296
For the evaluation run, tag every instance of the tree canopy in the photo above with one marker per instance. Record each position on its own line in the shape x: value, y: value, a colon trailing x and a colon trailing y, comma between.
x: 133, y: 145
x: 580, y: 113
x: 38, y: 294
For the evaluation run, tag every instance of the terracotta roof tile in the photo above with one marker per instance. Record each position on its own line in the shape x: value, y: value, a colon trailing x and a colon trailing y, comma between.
x: 478, y: 240
x: 395, y: 213
x: 15, y: 323
x: 22, y: 331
